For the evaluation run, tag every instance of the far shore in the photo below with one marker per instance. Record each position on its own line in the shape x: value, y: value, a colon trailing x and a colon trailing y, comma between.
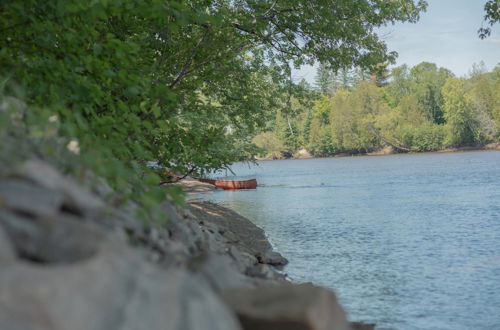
x: 386, y: 151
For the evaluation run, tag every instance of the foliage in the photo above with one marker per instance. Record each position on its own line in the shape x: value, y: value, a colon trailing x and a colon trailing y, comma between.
x: 482, y: 88
x: 320, y: 143
x: 426, y: 81
x: 183, y: 82
x: 26, y: 133
x: 428, y: 137
x: 492, y: 16
x: 400, y: 85
x: 324, y: 80
x: 328, y: 82
x: 321, y: 109
x: 458, y: 113
x: 420, y: 109
x: 271, y: 146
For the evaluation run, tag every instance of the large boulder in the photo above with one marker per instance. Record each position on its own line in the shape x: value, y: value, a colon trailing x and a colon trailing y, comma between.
x: 76, y: 199
x: 287, y: 307
x: 57, y: 239
x: 25, y: 197
x: 116, y: 289
x: 220, y: 271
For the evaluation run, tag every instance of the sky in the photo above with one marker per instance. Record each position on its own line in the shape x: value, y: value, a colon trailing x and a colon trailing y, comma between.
x: 446, y: 34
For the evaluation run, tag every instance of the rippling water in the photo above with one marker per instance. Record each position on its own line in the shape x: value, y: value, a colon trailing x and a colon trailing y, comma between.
x: 406, y: 241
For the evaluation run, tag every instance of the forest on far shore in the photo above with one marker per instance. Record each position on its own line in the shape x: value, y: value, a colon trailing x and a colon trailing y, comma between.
x: 422, y: 108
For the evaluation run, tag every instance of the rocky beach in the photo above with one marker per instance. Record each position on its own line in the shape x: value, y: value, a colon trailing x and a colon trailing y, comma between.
x: 70, y: 259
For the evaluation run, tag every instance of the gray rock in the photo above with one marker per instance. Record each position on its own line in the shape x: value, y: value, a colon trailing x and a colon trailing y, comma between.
x: 214, y: 241
x: 127, y: 221
x: 232, y: 238
x: 174, y: 254
x: 175, y: 300
x: 171, y: 211
x: 250, y: 238
x: 264, y: 271
x: 116, y: 290
x: 273, y: 258
x: 221, y: 272
x: 25, y: 197
x: 60, y: 239
x: 7, y: 254
x: 98, y: 185
x: 287, y: 306
x: 185, y: 231
x: 76, y: 199
x: 245, y: 261
x: 362, y: 326
x: 237, y: 230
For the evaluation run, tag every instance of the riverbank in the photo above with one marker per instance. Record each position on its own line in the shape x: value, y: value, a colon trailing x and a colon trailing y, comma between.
x: 72, y: 258
x: 77, y: 254
x: 304, y: 154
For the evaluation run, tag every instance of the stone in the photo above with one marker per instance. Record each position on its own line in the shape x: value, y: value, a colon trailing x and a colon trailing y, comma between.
x: 245, y: 261
x: 185, y: 231
x: 171, y: 211
x: 303, y: 154
x: 220, y: 272
x: 362, y: 326
x: 264, y: 271
x: 98, y: 185
x: 287, y: 307
x: 214, y: 241
x: 174, y: 254
x: 249, y: 236
x: 59, y: 239
x: 175, y: 300
x: 7, y: 254
x: 116, y: 289
x: 238, y: 230
x: 27, y: 198
x: 273, y: 258
x: 76, y: 199
x: 127, y: 221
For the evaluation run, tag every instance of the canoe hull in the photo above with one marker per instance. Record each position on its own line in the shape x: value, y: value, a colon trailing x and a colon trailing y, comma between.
x: 232, y: 184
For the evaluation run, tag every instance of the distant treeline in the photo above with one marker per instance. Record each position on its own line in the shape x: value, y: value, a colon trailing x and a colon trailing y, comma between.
x: 423, y: 108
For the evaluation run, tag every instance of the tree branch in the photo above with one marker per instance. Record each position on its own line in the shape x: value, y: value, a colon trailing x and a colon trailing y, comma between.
x: 186, y: 65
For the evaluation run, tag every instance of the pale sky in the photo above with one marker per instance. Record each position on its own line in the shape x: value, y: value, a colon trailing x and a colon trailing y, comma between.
x: 446, y: 34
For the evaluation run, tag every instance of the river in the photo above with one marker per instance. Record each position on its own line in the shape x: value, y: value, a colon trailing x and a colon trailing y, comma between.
x: 408, y: 242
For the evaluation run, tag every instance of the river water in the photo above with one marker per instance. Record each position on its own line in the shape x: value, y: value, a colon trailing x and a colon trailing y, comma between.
x: 406, y: 241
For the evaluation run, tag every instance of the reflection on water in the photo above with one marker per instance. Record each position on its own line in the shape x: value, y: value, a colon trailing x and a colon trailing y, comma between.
x: 407, y: 241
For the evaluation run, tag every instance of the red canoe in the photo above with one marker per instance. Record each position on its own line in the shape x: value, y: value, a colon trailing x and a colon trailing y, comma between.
x: 232, y: 184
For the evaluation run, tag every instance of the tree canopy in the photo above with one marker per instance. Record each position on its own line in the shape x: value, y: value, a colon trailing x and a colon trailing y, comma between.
x: 491, y: 17
x: 422, y: 108
x: 182, y: 82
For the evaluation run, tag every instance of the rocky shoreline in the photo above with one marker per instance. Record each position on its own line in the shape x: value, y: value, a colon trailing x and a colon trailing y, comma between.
x: 71, y: 259
x: 76, y: 255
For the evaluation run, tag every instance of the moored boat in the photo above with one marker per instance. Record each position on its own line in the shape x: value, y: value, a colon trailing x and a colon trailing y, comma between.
x: 231, y: 184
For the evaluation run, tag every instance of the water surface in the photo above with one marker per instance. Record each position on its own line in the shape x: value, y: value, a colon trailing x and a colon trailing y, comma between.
x: 406, y: 241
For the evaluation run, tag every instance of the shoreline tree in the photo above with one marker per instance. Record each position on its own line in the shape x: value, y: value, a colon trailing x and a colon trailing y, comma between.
x: 422, y: 108
x: 183, y: 82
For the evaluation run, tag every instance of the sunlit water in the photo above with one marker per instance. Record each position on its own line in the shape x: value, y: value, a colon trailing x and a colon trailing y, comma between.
x: 406, y: 241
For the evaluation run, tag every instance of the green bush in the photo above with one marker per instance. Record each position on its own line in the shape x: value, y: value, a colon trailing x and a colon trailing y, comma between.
x: 428, y: 137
